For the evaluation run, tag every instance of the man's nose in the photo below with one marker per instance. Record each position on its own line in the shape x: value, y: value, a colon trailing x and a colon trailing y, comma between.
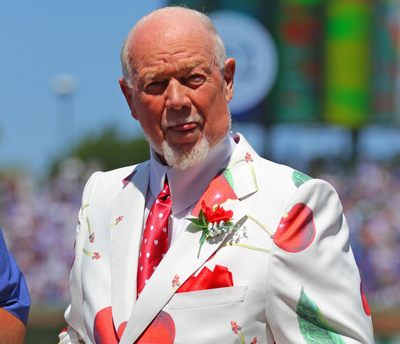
x: 177, y: 97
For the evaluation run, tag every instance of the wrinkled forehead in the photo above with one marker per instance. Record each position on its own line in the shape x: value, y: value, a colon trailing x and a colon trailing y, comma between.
x: 167, y: 34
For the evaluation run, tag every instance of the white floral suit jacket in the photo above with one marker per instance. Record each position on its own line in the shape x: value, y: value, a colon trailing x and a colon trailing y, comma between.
x: 294, y: 276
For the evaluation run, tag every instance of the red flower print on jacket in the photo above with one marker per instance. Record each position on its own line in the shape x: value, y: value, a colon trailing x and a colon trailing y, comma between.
x: 103, y: 329
x: 160, y: 331
x: 218, y: 192
x: 364, y: 302
x: 235, y: 327
x: 296, y: 231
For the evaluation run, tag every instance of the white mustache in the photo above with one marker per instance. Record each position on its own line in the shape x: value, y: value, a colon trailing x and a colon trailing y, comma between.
x: 197, y: 118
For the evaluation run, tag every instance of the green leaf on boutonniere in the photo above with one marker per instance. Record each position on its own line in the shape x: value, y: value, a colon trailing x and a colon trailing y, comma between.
x: 196, y: 221
x: 312, y: 323
x: 202, y: 219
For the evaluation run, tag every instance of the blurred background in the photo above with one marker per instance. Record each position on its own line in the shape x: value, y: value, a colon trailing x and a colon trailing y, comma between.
x: 317, y: 87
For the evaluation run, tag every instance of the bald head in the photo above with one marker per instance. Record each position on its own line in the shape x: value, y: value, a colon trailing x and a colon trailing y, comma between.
x: 170, y: 18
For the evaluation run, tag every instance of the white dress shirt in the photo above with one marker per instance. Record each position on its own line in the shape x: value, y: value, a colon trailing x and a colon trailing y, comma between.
x: 186, y: 187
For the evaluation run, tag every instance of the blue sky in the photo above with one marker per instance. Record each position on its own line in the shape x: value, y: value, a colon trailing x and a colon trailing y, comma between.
x: 40, y: 40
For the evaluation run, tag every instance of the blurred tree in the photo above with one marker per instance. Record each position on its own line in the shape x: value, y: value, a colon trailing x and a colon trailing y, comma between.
x: 108, y: 149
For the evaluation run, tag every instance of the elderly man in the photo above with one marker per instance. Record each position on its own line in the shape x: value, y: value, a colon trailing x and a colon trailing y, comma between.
x: 206, y: 242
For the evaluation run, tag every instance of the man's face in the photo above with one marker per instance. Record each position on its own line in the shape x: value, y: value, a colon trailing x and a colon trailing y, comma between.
x: 178, y: 95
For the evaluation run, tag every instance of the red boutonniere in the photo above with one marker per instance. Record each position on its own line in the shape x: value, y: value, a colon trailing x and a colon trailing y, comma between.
x: 216, y: 215
x: 213, y: 222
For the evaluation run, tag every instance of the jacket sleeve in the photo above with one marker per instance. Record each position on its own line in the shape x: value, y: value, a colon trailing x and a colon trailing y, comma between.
x: 314, y: 286
x: 75, y: 331
x: 14, y: 295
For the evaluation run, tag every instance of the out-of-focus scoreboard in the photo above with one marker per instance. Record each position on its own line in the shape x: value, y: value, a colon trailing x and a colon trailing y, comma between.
x: 324, y: 61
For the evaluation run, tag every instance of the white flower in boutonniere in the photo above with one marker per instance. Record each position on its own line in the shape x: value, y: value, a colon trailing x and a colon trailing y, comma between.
x: 213, y: 222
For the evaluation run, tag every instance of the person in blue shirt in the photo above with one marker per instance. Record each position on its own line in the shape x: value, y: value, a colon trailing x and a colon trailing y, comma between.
x: 14, y: 298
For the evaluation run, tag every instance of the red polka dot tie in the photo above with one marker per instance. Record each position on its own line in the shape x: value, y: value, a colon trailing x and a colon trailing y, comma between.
x: 155, y: 238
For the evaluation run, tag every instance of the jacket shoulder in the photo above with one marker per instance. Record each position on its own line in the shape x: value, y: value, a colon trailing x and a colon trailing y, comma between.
x: 111, y: 182
x: 282, y: 174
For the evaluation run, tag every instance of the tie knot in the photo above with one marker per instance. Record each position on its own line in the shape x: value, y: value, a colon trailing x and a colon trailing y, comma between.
x: 164, y: 194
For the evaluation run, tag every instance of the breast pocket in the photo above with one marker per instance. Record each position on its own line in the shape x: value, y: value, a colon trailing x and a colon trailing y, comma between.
x: 206, y: 298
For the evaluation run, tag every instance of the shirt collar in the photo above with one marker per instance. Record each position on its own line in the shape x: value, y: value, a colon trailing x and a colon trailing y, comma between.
x: 188, y: 186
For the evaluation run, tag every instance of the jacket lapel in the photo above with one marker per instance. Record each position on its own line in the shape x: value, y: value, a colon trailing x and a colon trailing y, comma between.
x: 242, y: 169
x: 126, y: 221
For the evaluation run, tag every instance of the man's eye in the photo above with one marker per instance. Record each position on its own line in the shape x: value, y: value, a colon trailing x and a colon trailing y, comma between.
x: 155, y: 87
x: 195, y: 80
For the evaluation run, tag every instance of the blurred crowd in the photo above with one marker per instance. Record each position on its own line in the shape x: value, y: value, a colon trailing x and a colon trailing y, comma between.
x: 370, y: 194
x: 39, y: 219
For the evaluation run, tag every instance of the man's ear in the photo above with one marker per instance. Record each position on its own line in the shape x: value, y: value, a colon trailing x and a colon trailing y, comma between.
x: 127, y: 91
x: 230, y: 66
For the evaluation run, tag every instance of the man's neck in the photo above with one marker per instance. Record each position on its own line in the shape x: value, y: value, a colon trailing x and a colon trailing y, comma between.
x: 188, y: 185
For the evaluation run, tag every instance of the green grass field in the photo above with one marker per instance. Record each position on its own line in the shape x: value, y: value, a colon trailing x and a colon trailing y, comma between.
x: 44, y: 326
x: 42, y: 334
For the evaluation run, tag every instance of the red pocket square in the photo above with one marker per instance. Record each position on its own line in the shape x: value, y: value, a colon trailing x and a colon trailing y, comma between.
x: 221, y: 277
